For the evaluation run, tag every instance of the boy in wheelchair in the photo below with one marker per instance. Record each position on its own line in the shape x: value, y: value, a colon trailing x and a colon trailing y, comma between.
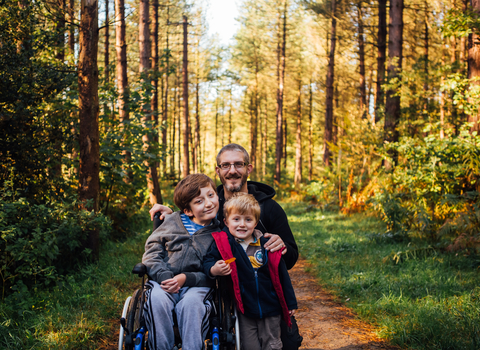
x: 173, y: 256
x: 262, y: 288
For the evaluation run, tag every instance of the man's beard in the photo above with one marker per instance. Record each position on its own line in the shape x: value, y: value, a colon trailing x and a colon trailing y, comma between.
x: 231, y: 188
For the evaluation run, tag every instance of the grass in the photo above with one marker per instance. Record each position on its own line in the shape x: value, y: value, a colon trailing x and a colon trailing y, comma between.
x: 77, y: 312
x: 418, y: 297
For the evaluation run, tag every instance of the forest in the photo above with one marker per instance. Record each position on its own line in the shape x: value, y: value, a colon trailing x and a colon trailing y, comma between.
x: 345, y: 106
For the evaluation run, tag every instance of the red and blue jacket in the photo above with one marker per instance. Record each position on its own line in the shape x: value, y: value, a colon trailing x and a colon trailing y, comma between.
x: 259, y: 293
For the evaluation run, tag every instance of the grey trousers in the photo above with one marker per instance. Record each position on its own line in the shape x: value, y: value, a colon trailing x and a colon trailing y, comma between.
x: 192, y: 307
x: 260, y: 333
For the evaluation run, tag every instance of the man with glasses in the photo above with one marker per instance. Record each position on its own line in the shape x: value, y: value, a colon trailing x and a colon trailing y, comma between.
x: 233, y: 168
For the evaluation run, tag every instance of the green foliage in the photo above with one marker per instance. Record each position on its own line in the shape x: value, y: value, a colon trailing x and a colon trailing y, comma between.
x: 123, y: 179
x: 466, y: 96
x: 459, y: 22
x: 39, y: 242
x: 34, y: 106
x: 425, y: 299
x: 81, y: 310
x: 357, y: 164
x: 433, y: 187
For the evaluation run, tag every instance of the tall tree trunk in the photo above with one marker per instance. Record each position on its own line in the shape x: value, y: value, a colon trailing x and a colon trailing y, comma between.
x: 369, y: 93
x: 149, y: 129
x: 165, y: 103
x: 361, y: 59
x: 196, y: 133
x: 61, y: 31
x: 89, y: 180
x: 144, y: 38
x: 107, y: 46
x: 155, y: 73
x: 328, y: 133
x: 179, y: 125
x: 154, y: 43
x: 230, y: 117
x: 425, y: 63
x: 442, y: 96
x: 265, y: 140
x: 254, y: 123
x: 196, y: 148
x: 122, y: 78
x: 71, y: 45
x: 310, y: 135
x: 106, y: 110
x: 282, y: 39
x: 71, y: 34
x: 285, y: 134
x: 216, y: 126
x: 474, y: 64
x: 174, y: 123
x: 336, y: 106
x: 186, y: 130
x: 252, y: 130
x: 60, y: 49
x: 453, y: 58
x: 381, y: 54
x: 298, y: 146
x: 462, y: 57
x: 395, y: 55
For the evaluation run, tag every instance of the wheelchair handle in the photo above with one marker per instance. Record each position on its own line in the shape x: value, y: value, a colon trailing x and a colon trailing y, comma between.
x: 156, y: 220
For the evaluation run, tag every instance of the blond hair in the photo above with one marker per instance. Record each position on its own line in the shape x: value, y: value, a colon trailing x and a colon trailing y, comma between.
x: 243, y: 204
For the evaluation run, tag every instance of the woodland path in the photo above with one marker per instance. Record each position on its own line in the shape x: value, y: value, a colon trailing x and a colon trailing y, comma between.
x: 326, y: 324
x: 323, y: 323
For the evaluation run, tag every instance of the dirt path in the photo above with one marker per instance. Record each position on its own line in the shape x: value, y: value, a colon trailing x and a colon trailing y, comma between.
x: 326, y: 324
x: 323, y: 323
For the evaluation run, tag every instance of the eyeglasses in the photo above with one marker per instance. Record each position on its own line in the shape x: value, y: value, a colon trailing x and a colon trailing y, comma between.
x: 237, y: 165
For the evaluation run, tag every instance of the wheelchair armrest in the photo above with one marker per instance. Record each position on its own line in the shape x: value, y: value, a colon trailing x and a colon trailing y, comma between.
x: 139, y: 270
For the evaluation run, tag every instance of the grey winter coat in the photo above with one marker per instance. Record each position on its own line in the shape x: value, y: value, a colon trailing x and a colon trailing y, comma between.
x: 171, y: 250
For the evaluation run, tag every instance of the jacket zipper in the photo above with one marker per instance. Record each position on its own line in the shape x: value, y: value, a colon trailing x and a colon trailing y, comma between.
x: 258, y: 294
x: 190, y: 240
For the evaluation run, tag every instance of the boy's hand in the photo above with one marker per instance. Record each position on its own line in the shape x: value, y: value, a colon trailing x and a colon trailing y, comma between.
x: 160, y: 208
x: 221, y: 268
x: 174, y: 284
x: 291, y: 312
x: 274, y: 243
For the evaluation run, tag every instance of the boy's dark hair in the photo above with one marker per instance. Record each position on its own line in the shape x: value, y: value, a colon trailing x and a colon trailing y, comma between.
x: 189, y: 188
x: 243, y: 204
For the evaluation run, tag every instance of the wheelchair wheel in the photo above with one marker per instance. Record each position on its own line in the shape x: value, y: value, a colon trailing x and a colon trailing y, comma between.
x: 237, y: 330
x: 122, y: 331
x: 132, y: 313
x: 230, y: 339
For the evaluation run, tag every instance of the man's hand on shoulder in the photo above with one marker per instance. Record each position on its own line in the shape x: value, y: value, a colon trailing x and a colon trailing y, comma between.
x: 274, y: 243
x: 164, y: 210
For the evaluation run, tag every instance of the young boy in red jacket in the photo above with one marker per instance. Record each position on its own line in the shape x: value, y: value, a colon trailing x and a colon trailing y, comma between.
x: 262, y: 288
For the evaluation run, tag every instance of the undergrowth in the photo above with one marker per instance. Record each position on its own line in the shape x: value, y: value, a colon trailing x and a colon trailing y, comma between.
x: 417, y: 295
x: 76, y: 313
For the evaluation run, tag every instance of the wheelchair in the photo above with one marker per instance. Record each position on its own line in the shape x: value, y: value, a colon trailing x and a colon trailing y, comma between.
x: 224, y: 328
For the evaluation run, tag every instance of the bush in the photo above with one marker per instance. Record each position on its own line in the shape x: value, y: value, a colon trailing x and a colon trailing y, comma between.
x: 433, y: 191
x: 42, y: 241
